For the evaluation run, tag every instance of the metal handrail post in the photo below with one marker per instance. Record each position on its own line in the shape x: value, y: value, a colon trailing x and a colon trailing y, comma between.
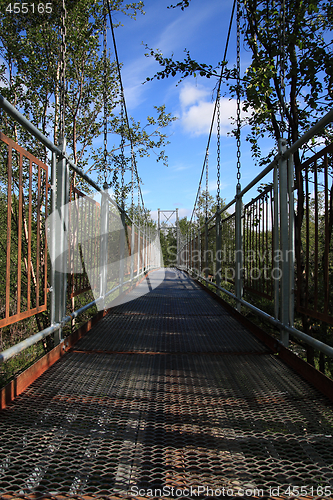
x: 132, y: 249
x: 206, y: 249
x: 53, y: 236
x: 177, y: 237
x: 148, y: 249
x: 189, y: 250
x: 122, y: 251
x: 284, y: 244
x: 276, y: 237
x: 145, y: 248
x: 60, y: 273
x: 199, y: 252
x: 239, y: 247
x: 104, y: 244
x: 291, y: 240
x: 139, y: 237
x: 218, y: 249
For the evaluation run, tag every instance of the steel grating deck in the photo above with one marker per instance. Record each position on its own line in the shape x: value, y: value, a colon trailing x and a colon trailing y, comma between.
x: 167, y: 391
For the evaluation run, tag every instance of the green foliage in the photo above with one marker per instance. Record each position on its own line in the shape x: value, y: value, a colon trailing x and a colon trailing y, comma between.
x: 302, y: 53
x: 30, y: 47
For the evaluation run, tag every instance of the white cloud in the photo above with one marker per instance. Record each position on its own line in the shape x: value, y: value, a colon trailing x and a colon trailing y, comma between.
x: 197, y: 111
x: 190, y: 94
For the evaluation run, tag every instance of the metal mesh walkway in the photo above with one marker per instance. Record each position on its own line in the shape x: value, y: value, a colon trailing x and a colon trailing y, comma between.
x: 167, y: 393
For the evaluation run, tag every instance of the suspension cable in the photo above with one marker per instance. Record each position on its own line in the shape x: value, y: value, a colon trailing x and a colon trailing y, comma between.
x: 105, y: 91
x: 238, y: 98
x: 215, y: 107
x: 63, y: 70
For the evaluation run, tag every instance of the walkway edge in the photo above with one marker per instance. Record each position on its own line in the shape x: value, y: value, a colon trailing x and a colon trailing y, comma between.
x: 16, y: 386
x: 308, y: 372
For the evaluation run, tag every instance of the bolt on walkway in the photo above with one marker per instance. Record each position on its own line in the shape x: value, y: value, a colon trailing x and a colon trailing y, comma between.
x: 167, y: 391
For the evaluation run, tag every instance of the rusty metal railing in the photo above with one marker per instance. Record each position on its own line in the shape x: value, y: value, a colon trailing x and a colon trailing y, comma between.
x: 315, y: 275
x: 24, y: 208
x: 80, y: 231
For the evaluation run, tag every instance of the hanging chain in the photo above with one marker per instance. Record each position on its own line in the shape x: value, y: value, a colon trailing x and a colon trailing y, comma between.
x: 238, y: 97
x: 139, y: 209
x: 105, y: 93
x: 282, y: 64
x: 198, y: 206
x: 132, y: 179
x: 63, y: 70
x: 218, y: 149
x: 122, y: 147
x: 207, y: 158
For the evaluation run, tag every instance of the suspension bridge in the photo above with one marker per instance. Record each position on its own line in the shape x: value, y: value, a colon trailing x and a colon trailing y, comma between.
x: 169, y: 391
x: 207, y: 379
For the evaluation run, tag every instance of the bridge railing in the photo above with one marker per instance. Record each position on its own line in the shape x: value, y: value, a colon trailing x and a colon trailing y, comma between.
x: 252, y: 251
x: 66, y: 246
x: 24, y: 190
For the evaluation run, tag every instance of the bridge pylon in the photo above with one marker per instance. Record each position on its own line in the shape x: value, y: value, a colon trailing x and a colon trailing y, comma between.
x: 168, y: 215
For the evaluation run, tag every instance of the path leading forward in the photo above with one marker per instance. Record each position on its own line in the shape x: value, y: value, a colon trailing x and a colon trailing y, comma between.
x: 168, y: 394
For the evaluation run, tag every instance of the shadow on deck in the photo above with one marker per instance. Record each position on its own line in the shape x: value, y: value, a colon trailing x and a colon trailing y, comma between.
x: 170, y: 393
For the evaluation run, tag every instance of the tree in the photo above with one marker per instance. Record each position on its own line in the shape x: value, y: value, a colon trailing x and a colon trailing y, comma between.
x: 30, y: 47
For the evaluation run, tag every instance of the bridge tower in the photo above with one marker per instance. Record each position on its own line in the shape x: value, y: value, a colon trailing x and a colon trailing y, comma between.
x: 167, y: 215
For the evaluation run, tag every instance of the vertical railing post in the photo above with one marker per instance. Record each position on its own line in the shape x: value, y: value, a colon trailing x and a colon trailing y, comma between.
x: 239, y: 247
x: 284, y: 243
x: 145, y: 248
x: 199, y: 250
x: 139, y: 237
x: 148, y: 248
x: 103, y: 258
x: 132, y: 247
x: 53, y: 236
x: 61, y: 244
x: 276, y: 238
x: 291, y: 259
x: 206, y: 249
x: 159, y: 235
x: 178, y: 238
x: 191, y: 251
x: 122, y: 250
x: 218, y: 249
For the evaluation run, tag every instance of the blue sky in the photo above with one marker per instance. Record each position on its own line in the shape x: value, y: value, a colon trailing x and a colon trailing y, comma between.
x: 202, y: 29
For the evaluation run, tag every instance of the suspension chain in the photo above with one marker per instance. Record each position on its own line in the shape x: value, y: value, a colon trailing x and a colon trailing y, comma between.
x: 207, y: 158
x: 63, y: 70
x: 132, y: 179
x: 105, y: 92
x: 218, y: 150
x: 198, y: 207
x: 282, y: 63
x: 139, y: 210
x: 238, y: 97
x: 122, y: 155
